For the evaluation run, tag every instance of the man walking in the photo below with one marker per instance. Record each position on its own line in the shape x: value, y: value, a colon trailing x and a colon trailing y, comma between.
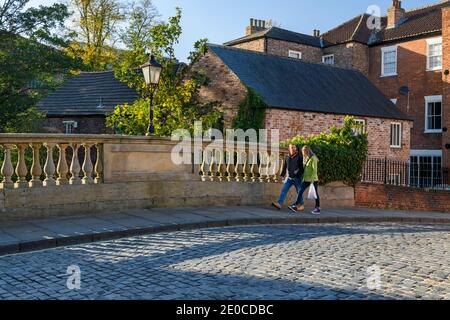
x: 293, y: 169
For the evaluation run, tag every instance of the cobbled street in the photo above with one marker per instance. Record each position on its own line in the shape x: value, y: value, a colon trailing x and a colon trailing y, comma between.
x: 248, y: 262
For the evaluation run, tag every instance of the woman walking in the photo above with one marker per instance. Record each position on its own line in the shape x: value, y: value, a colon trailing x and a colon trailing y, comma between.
x: 310, y: 178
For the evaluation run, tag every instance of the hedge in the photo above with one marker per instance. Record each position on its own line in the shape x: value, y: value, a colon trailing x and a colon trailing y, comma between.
x: 341, y: 152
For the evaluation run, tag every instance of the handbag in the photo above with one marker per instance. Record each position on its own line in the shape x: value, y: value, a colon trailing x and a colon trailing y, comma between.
x: 312, y: 194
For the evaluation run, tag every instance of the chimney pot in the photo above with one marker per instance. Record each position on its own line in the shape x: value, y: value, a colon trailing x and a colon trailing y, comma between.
x: 395, y: 14
x: 255, y: 26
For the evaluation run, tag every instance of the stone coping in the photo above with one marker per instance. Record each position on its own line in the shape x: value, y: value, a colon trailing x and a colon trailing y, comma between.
x: 32, y: 235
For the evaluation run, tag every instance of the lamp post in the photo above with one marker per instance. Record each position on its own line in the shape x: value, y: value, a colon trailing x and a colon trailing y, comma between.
x: 152, y: 72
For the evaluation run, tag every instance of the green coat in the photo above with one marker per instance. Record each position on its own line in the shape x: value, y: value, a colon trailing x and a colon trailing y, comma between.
x: 310, y: 174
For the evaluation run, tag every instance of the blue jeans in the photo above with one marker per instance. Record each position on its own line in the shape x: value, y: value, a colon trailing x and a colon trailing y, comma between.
x: 305, y: 185
x: 296, y: 182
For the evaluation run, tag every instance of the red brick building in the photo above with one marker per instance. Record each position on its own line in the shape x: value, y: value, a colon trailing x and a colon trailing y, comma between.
x: 406, y: 56
x: 304, y: 98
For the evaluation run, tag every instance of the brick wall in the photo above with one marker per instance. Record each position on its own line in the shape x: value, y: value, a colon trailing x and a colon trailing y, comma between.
x: 224, y: 86
x: 411, y: 69
x: 292, y: 123
x: 86, y: 125
x: 281, y: 48
x: 402, y: 198
x: 446, y: 85
x: 351, y: 55
x: 254, y: 45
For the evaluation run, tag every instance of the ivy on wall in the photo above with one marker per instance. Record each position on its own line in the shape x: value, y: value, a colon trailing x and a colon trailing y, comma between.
x: 251, y: 112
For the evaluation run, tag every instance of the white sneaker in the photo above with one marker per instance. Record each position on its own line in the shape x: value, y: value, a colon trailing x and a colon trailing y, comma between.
x: 316, y: 211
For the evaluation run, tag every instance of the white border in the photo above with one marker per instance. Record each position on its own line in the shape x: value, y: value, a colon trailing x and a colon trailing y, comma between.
x: 426, y: 153
x: 400, y: 133
x: 327, y: 56
x: 297, y: 52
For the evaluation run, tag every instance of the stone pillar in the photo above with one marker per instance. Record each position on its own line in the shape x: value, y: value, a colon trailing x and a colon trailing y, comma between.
x: 36, y: 169
x: 99, y: 164
x: 446, y: 89
x: 7, y: 167
x: 21, y: 168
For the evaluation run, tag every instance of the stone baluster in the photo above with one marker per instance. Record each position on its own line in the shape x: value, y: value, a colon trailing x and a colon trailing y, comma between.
x: 254, y: 167
x: 238, y: 168
x: 230, y: 166
x: 49, y: 167
x: 99, y: 164
x: 203, y: 167
x: 246, y: 167
x: 221, y: 167
x: 75, y: 166
x: 62, y: 167
x: 88, y: 167
x: 36, y: 169
x: 262, y: 167
x: 213, y: 166
x: 21, y: 167
x: 268, y: 167
x: 7, y: 167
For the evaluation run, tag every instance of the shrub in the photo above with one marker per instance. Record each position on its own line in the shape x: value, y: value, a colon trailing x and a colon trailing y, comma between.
x: 341, y: 153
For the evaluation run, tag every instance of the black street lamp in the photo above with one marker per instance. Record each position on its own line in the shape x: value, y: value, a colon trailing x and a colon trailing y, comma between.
x: 152, y: 72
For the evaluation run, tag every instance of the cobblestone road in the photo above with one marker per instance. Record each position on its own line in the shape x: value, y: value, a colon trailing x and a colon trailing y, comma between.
x: 249, y: 262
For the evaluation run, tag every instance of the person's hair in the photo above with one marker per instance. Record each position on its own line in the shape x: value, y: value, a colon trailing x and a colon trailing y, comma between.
x: 308, y: 148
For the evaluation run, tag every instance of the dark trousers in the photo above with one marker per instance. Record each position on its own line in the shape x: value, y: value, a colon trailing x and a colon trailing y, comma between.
x: 305, y: 185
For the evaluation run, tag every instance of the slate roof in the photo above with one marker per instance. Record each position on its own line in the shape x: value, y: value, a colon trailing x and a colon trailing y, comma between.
x: 83, y: 94
x: 420, y: 21
x: 279, y: 34
x: 287, y: 83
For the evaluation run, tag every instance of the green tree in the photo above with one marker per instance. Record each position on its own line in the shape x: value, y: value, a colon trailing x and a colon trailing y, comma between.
x: 95, y: 24
x: 31, y: 63
x: 177, y: 104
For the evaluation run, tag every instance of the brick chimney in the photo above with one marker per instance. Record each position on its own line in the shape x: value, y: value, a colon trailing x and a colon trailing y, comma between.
x: 255, y: 26
x: 395, y: 14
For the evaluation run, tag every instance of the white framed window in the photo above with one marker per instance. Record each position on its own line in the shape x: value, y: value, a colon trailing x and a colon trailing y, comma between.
x: 433, y: 114
x: 394, y: 101
x: 434, y: 54
x: 295, y: 54
x: 396, y: 135
x: 389, y: 61
x: 360, y: 127
x: 328, y: 59
x: 70, y: 126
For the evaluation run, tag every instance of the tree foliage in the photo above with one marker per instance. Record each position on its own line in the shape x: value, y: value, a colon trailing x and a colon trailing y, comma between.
x: 341, y: 152
x: 95, y: 24
x: 176, y: 101
x: 30, y: 63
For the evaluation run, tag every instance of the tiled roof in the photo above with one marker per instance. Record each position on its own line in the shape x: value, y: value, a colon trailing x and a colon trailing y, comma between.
x: 88, y: 93
x: 418, y: 22
x: 279, y: 34
x: 287, y: 83
x: 353, y: 30
x: 421, y: 21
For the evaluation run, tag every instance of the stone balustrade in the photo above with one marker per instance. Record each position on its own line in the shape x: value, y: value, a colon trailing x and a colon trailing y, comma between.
x: 248, y: 163
x: 54, y: 168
